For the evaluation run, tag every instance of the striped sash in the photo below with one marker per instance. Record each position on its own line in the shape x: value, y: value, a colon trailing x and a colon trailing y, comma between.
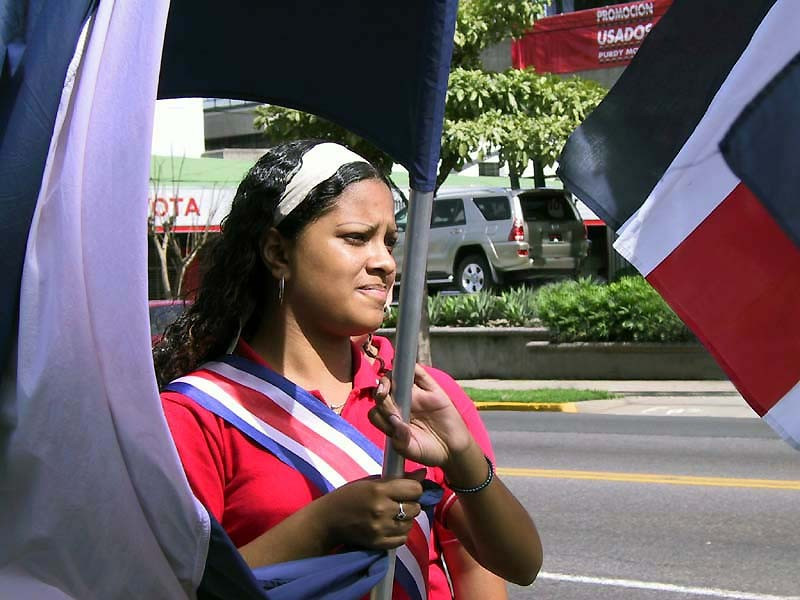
x: 306, y: 435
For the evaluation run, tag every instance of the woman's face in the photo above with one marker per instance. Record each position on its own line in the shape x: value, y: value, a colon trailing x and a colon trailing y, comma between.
x: 341, y: 266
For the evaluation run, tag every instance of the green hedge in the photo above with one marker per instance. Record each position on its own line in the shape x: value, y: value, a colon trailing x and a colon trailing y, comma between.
x: 511, y: 308
x: 627, y: 310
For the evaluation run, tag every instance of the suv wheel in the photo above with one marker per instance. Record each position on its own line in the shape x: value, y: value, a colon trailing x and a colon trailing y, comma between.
x: 473, y: 274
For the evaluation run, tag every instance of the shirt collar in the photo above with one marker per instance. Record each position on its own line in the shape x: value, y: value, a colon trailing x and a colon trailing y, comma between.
x: 365, y: 371
x: 245, y: 350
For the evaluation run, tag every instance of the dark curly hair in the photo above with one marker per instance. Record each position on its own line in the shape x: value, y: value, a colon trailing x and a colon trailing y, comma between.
x: 236, y: 285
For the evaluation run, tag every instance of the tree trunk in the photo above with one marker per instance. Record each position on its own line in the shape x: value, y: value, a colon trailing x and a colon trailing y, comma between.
x: 514, y: 177
x: 162, y: 258
x: 424, y: 336
x: 538, y: 174
x: 179, y: 276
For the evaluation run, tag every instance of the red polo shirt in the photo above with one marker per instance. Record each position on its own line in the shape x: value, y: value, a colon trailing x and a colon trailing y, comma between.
x: 249, y: 491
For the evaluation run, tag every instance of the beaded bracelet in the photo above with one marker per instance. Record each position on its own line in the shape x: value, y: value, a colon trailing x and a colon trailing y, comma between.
x: 478, y: 487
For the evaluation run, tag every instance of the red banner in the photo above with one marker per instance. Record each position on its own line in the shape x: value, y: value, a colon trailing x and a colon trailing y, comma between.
x: 587, y: 39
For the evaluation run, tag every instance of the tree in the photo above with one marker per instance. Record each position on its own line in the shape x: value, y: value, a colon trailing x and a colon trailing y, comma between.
x: 176, y: 251
x: 522, y: 115
x: 483, y: 23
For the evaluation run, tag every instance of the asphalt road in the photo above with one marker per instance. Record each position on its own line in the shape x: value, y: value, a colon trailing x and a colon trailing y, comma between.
x: 645, y: 508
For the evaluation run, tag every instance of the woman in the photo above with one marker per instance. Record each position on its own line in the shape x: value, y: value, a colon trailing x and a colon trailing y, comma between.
x: 293, y: 409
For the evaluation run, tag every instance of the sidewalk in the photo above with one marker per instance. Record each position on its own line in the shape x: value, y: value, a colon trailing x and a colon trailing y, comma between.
x: 650, y: 398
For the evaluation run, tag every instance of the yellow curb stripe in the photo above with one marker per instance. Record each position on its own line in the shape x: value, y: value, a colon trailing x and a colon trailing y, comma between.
x: 567, y: 407
x: 773, y: 484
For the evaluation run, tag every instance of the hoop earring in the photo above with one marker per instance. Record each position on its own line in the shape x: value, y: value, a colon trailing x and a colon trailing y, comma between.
x: 235, y: 340
x: 281, y: 285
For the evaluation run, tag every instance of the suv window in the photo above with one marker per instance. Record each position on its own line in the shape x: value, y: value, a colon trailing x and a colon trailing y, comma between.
x: 552, y: 208
x: 448, y: 212
x: 494, y: 208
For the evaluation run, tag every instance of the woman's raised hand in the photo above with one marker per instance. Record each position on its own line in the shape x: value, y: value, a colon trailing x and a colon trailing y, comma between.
x: 435, y: 433
x: 366, y: 513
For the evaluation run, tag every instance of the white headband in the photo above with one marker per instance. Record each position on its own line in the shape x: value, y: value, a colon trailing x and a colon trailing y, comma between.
x: 317, y: 165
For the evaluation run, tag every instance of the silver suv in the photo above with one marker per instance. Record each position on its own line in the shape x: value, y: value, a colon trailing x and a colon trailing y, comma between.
x: 481, y: 238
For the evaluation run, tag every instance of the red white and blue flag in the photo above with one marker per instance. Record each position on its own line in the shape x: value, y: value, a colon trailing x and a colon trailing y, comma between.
x: 691, y: 158
x: 297, y: 429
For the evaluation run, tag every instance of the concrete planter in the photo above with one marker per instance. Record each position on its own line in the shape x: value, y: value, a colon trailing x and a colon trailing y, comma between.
x: 526, y: 353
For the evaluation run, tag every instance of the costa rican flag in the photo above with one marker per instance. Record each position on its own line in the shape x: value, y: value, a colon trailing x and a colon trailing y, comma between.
x: 298, y: 430
x: 692, y: 159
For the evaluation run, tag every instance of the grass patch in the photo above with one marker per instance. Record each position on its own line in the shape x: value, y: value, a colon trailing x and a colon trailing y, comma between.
x: 544, y: 395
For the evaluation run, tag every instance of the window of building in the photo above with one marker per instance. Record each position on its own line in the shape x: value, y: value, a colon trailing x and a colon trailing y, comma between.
x: 489, y: 169
x: 225, y: 103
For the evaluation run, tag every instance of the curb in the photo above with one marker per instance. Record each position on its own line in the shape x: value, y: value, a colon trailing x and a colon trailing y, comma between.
x: 567, y: 407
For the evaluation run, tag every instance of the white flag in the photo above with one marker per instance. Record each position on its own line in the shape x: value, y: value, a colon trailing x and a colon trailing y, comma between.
x: 94, y: 501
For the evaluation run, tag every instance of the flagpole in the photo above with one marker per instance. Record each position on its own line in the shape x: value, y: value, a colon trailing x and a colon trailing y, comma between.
x: 415, y: 258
